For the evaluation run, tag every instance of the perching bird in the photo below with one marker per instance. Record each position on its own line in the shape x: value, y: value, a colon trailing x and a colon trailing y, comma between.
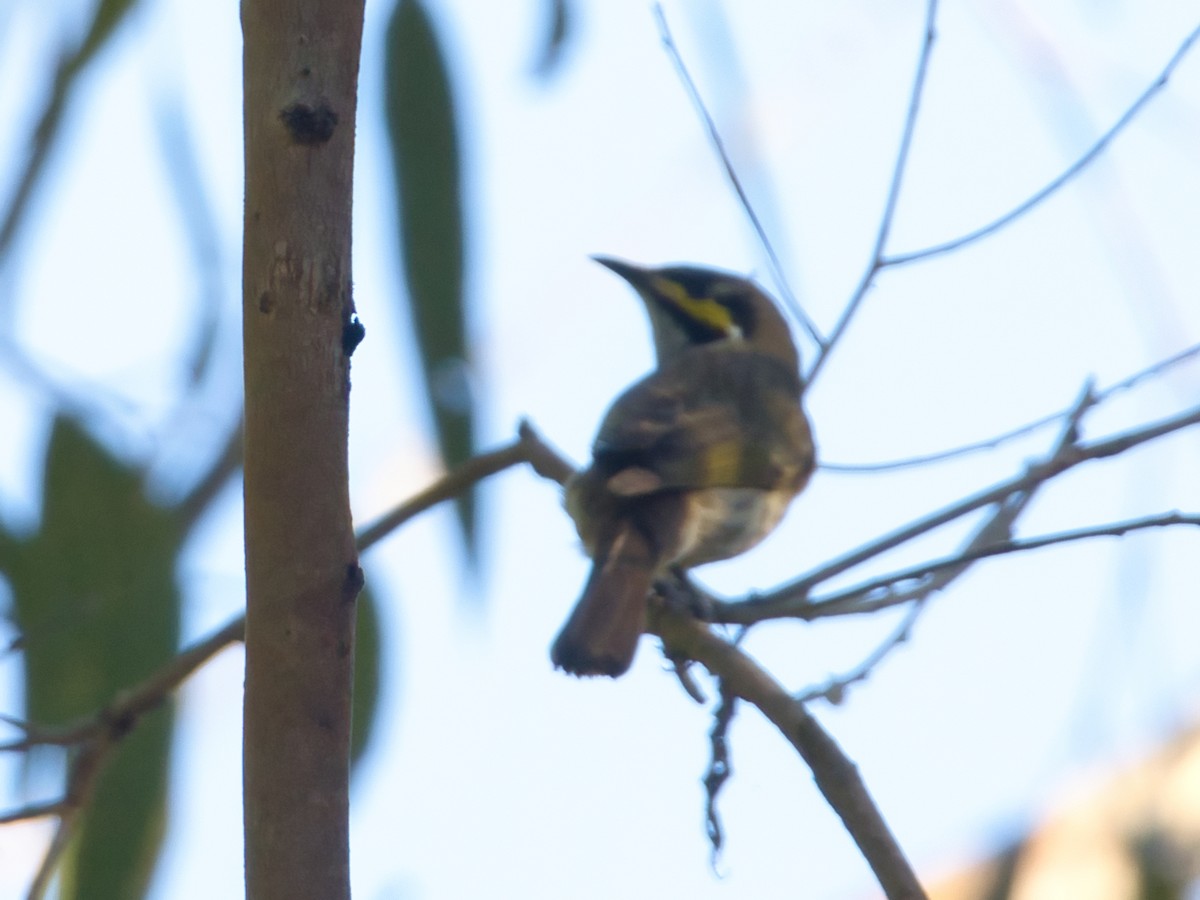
x: 696, y: 462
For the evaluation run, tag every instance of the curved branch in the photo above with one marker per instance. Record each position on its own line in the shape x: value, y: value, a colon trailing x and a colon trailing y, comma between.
x: 222, y: 469
x: 716, y: 142
x: 889, y: 210
x: 792, y: 600
x: 874, y: 595
x: 836, y: 776
x: 528, y: 448
x: 995, y: 441
x: 1066, y: 175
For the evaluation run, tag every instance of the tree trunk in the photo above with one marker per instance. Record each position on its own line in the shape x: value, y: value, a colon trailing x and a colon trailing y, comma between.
x: 300, y: 77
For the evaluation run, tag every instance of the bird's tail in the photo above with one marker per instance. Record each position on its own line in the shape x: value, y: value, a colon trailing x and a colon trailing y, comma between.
x: 601, y: 635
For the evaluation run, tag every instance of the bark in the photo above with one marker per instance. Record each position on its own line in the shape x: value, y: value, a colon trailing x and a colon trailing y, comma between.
x: 300, y: 75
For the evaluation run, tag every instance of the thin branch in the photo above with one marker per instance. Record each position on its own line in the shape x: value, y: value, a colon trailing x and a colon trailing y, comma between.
x: 462, y: 477
x: 996, y: 529
x: 33, y: 811
x: 1021, y: 431
x: 528, y: 448
x: 224, y: 467
x: 177, y: 148
x: 912, y: 462
x: 874, y: 595
x: 835, y: 775
x: 715, y: 140
x: 1152, y: 371
x: 834, y: 689
x: 720, y: 769
x: 685, y: 638
x: 81, y: 783
x: 1069, y: 173
x: 792, y: 599
x: 118, y: 717
x: 40, y: 736
x: 889, y: 210
x: 97, y: 735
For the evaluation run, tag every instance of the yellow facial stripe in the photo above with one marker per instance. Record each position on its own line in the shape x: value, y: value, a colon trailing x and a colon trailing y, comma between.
x: 702, y: 309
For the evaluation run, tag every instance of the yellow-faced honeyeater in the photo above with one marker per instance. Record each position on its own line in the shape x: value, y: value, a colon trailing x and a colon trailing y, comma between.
x: 694, y: 463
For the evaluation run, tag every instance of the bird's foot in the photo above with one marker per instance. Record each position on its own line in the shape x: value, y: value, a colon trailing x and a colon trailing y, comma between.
x: 682, y: 595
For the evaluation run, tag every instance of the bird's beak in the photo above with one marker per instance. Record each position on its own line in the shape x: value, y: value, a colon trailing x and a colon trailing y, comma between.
x: 649, y: 283
x: 637, y: 276
x: 703, y: 318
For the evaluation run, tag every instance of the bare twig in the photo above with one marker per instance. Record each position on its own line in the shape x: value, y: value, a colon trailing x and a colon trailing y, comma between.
x: 996, y: 529
x: 925, y: 459
x: 834, y: 688
x: 684, y: 637
x: 118, y: 717
x: 992, y: 443
x: 720, y: 769
x: 41, y: 736
x: 715, y: 140
x: 792, y: 599
x: 81, y: 782
x: 1066, y: 175
x: 889, y: 210
x: 96, y: 737
x: 1152, y: 371
x: 835, y: 775
x: 98, y: 733
x: 543, y: 458
x: 223, y: 468
x: 683, y: 671
x: 473, y: 470
x: 881, y: 260
x: 528, y: 448
x: 199, y: 220
x: 872, y: 595
x: 32, y: 811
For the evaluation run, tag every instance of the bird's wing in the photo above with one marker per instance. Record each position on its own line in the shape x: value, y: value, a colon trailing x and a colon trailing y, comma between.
x: 702, y: 423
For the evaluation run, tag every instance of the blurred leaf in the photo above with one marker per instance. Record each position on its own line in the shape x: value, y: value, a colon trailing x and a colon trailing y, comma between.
x: 1162, y: 864
x: 108, y: 15
x: 1000, y: 881
x: 366, y: 674
x: 121, y: 833
x: 558, y: 31
x: 425, y: 158
x: 199, y: 221
x: 95, y: 599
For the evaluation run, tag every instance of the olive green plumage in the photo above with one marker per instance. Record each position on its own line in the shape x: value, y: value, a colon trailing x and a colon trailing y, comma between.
x: 696, y: 462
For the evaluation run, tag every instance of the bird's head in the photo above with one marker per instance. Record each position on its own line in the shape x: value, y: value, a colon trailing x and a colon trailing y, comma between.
x: 689, y: 305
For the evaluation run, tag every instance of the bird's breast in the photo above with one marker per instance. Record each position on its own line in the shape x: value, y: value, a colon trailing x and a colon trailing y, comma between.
x: 723, y: 522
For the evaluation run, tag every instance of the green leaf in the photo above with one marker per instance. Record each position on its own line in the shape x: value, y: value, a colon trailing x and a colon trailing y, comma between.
x: 95, y: 598
x: 425, y: 158
x: 366, y: 674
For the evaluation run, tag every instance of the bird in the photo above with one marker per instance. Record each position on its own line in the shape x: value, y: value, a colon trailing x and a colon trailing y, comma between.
x: 696, y: 462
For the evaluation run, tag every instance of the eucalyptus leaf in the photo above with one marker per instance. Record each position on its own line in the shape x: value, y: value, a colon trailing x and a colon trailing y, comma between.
x: 426, y: 162
x: 95, y: 599
x: 367, y: 664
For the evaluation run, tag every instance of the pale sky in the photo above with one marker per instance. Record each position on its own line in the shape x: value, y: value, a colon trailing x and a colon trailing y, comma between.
x: 492, y: 775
